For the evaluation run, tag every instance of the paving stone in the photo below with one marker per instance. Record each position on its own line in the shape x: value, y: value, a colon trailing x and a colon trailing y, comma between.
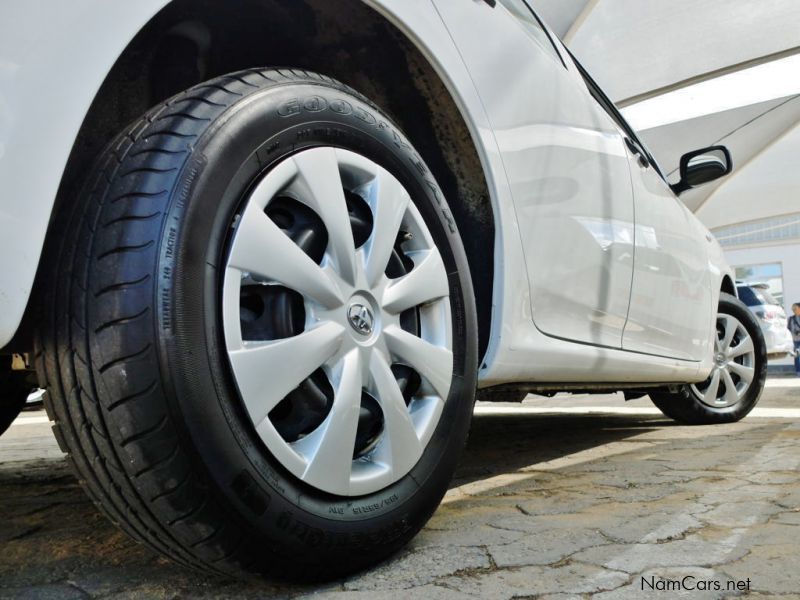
x: 544, y: 548
x: 480, y: 535
x: 787, y: 518
x: 693, y: 551
x: 550, y: 506
x: 791, y: 500
x: 775, y: 478
x: 414, y: 568
x: 158, y: 579
x: 695, y: 583
x: 718, y: 481
x: 580, y: 485
x: 534, y: 581
x: 557, y: 502
x: 424, y: 592
x: 626, y: 522
x: 44, y: 592
x: 761, y: 596
x: 471, y: 512
x: 169, y: 591
x: 740, y: 514
x: 771, y: 533
x: 745, y: 493
x: 772, y: 568
x: 770, y: 461
x: 653, y: 528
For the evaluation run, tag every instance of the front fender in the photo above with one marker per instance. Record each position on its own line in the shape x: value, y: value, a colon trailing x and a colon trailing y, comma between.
x: 54, y: 56
x: 719, y: 271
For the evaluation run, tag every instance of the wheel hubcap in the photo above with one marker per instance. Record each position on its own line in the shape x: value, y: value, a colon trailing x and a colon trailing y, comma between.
x: 734, y: 365
x: 336, y: 318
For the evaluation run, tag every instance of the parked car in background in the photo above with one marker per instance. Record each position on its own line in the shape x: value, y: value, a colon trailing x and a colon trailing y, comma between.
x: 771, y: 316
x: 261, y: 299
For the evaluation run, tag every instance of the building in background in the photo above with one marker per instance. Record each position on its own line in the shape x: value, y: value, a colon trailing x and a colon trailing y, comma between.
x: 690, y: 74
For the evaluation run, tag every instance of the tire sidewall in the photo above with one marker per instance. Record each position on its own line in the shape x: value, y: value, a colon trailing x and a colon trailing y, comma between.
x: 694, y: 409
x: 241, y: 146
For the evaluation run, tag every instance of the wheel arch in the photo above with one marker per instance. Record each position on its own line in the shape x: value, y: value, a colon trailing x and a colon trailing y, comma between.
x: 360, y: 42
x: 728, y: 286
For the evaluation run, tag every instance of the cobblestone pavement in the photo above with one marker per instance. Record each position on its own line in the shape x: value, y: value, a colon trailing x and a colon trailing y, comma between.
x: 557, y: 498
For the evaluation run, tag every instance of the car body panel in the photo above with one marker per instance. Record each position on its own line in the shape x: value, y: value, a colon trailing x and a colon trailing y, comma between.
x: 54, y: 57
x: 566, y: 164
x: 672, y: 286
x: 39, y: 54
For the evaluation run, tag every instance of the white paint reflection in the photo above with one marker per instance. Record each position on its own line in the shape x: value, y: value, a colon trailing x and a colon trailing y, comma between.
x: 608, y: 232
x: 527, y: 137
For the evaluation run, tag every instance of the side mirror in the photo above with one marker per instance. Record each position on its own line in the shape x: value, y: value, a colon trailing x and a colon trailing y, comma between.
x: 703, y: 166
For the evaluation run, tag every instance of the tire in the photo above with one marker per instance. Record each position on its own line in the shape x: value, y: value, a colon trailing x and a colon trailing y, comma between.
x: 139, y: 349
x: 712, y: 401
x: 14, y: 392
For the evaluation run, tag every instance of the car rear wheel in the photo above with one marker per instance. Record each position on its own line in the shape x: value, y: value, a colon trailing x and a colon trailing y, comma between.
x: 737, y: 378
x: 261, y: 348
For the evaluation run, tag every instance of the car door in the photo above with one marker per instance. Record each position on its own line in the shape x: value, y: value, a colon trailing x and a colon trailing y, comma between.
x: 671, y: 296
x: 566, y: 165
x: 671, y: 293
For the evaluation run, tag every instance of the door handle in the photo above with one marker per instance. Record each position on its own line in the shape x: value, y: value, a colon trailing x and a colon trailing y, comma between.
x: 491, y: 3
x: 636, y: 151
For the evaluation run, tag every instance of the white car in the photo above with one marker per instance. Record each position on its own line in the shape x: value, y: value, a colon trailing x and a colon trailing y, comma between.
x: 771, y: 316
x: 261, y: 254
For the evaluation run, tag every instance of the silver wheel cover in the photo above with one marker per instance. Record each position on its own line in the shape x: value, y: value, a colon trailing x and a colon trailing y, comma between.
x: 734, y: 365
x: 352, y: 328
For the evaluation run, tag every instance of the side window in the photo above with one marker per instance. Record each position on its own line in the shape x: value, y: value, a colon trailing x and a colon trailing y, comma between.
x: 533, y: 27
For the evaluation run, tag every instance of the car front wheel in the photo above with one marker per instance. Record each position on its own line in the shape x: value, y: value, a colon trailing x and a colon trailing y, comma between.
x: 260, y: 348
x: 737, y: 378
